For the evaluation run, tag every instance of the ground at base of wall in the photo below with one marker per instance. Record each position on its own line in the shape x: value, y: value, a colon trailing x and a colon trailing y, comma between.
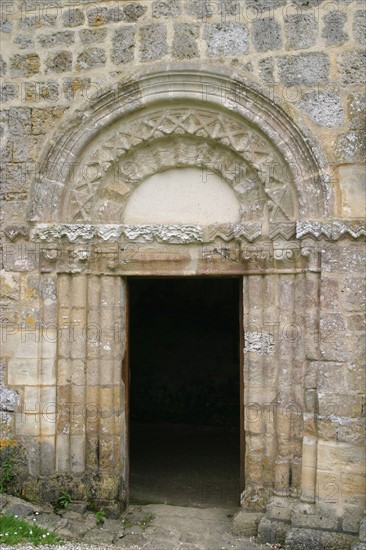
x: 151, y: 527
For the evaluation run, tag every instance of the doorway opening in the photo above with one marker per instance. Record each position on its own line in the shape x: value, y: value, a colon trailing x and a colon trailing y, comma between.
x: 185, y: 391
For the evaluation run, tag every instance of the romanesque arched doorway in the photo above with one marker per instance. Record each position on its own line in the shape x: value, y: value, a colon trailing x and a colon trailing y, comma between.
x: 97, y: 208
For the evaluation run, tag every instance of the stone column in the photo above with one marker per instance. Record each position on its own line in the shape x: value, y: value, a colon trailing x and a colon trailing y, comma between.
x: 91, y: 432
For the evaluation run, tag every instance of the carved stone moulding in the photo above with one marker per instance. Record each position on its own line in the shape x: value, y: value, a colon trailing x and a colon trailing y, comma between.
x: 331, y: 230
x: 168, y: 109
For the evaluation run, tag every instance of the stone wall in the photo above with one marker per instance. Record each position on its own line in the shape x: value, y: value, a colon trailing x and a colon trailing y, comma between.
x: 292, y: 77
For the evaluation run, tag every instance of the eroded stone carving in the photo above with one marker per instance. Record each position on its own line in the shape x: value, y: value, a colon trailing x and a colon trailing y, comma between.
x: 332, y: 230
x: 182, y: 137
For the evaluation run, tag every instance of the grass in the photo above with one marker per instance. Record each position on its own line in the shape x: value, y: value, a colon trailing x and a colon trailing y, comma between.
x: 18, y: 531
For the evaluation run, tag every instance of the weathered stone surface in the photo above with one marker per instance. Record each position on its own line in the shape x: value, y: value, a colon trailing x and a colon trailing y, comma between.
x: 6, y: 25
x: 266, y: 34
x: 25, y: 64
x: 59, y: 62
x: 8, y: 91
x: 356, y: 106
x: 299, y: 539
x: 38, y: 20
x: 185, y: 41
x: 359, y: 27
x: 307, y: 69
x: 97, y: 16
x: 92, y: 57
x: 266, y: 66
x: 65, y: 38
x: 351, y: 147
x: 301, y: 31
x: 272, y: 532
x: 251, y: 132
x: 199, y: 8
x: 123, y: 45
x: 43, y: 120
x: 166, y: 8
x: 352, y: 67
x: 153, y: 42
x: 324, y: 108
x: 88, y: 36
x: 246, y: 523
x: 73, y: 17
x: 131, y: 12
x: 259, y: 6
x: 24, y: 41
x: 226, y: 39
x: 333, y: 31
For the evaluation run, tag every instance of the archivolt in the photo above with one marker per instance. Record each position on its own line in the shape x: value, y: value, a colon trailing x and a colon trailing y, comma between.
x: 179, y: 118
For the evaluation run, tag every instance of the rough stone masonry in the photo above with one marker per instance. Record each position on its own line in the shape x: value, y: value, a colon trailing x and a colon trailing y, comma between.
x: 266, y: 100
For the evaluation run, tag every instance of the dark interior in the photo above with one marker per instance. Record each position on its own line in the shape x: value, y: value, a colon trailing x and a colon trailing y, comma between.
x: 184, y: 390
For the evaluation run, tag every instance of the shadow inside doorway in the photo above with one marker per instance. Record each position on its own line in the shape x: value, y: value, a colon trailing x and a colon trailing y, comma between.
x: 184, y: 391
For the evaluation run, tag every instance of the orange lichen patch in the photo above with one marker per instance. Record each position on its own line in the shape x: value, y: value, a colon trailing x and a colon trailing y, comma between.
x: 7, y: 443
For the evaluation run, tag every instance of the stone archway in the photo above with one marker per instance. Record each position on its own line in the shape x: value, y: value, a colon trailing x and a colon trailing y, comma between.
x: 168, y: 120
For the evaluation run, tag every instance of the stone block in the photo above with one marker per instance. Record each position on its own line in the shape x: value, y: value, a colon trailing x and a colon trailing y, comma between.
x: 92, y: 57
x: 49, y: 91
x: 301, y: 31
x: 3, y: 66
x: 89, y: 36
x: 131, y: 12
x: 246, y: 523
x: 272, y: 532
x: 352, y: 67
x: 73, y: 17
x: 44, y: 120
x: 333, y: 31
x: 38, y: 21
x: 8, y: 91
x: 166, y: 8
x: 64, y: 38
x: 303, y: 539
x: 351, y: 147
x: 353, y: 294
x: 352, y: 520
x: 8, y: 399
x: 334, y: 458
x: 24, y: 41
x: 226, y: 39
x: 266, y: 34
x: 359, y: 26
x: 356, y: 107
x: 324, y: 108
x: 352, y: 181
x: 337, y: 541
x: 279, y: 509
x: 265, y: 67
x: 6, y: 25
x: 153, y: 42
x: 185, y: 41
x: 22, y: 372
x: 199, y: 9
x: 24, y: 65
x: 97, y: 16
x: 73, y: 87
x: 59, y: 62
x: 27, y: 424
x: 305, y: 69
x: 123, y: 45
x: 260, y: 6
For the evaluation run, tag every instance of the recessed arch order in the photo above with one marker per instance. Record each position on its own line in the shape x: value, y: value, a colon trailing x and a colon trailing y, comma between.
x: 179, y: 117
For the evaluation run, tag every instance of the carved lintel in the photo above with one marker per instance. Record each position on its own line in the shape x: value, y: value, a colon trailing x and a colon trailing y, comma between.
x: 331, y: 230
x: 14, y: 232
x: 284, y: 230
